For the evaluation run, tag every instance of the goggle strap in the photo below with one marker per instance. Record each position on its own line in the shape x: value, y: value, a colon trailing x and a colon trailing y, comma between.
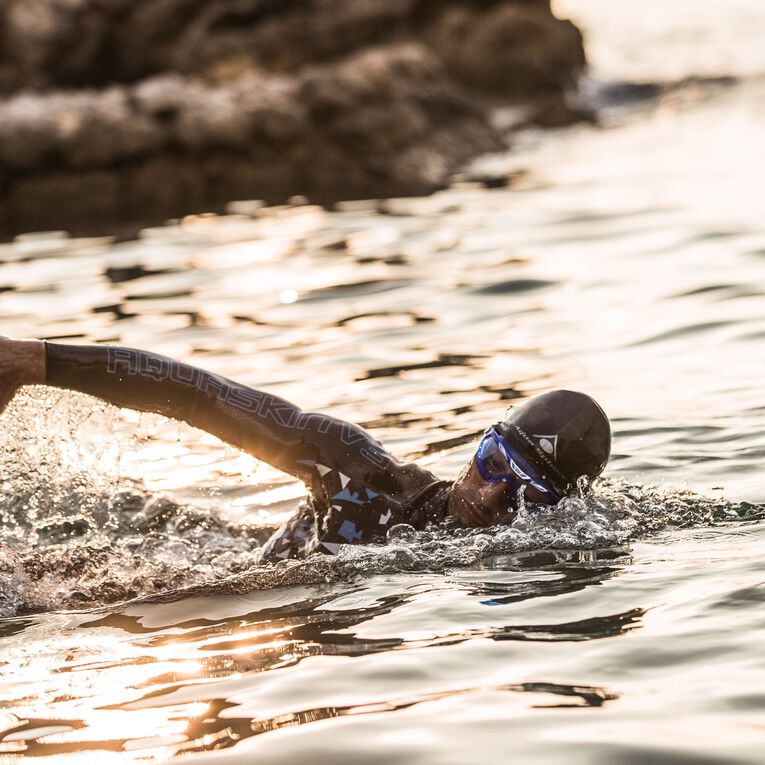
x: 558, y: 480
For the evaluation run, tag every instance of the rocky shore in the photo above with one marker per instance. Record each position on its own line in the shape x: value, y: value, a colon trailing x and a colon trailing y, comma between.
x: 121, y: 111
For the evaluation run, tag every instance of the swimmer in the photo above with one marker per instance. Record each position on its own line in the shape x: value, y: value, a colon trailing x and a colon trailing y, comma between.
x: 356, y: 489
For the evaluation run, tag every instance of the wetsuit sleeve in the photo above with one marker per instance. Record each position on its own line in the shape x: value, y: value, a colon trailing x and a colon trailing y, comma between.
x: 266, y: 426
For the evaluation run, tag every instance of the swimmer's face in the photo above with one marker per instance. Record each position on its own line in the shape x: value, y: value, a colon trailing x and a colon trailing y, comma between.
x: 476, y: 502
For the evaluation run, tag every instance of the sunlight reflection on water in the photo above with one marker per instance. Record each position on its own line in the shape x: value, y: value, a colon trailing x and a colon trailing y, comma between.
x: 627, y: 262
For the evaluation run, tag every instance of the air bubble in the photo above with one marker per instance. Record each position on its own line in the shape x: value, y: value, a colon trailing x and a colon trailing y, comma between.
x: 401, y: 533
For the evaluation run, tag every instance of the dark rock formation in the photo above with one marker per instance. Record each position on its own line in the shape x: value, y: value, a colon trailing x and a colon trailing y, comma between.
x: 124, y: 110
x: 76, y: 43
x: 517, y: 50
x: 510, y: 47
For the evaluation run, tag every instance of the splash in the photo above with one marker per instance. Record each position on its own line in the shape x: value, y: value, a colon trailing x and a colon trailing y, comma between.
x: 154, y: 547
x: 75, y: 532
x: 78, y: 534
x: 60, y: 465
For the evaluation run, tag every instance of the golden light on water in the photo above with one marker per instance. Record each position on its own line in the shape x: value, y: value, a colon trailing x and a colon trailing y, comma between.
x: 625, y: 261
x: 100, y: 694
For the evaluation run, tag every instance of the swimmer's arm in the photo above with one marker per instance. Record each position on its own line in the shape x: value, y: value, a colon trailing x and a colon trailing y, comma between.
x: 22, y: 362
x: 264, y: 425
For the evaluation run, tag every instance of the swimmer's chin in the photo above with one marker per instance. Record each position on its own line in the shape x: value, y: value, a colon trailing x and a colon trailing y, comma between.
x: 471, y: 515
x: 468, y: 514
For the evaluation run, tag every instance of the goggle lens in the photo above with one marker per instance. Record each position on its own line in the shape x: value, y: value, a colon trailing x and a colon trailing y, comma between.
x: 497, y: 462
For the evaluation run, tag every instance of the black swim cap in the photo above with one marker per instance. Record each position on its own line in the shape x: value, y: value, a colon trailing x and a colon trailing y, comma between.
x: 564, y: 433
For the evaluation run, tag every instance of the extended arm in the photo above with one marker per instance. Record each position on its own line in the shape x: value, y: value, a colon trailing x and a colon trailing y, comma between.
x: 22, y: 362
x: 261, y: 424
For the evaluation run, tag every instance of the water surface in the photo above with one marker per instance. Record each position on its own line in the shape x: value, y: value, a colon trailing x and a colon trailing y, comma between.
x: 626, y: 261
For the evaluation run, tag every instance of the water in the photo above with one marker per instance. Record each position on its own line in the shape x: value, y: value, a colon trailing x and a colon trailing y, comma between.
x: 625, y: 261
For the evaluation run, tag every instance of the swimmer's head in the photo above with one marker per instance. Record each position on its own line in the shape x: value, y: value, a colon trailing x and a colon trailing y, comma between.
x: 542, y: 447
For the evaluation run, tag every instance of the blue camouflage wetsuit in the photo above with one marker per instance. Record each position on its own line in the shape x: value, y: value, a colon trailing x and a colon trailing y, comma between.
x: 356, y: 489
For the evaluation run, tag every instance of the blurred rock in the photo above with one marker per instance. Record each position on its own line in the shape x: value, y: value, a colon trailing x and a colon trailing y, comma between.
x: 138, y: 110
x: 516, y: 50
x: 514, y: 47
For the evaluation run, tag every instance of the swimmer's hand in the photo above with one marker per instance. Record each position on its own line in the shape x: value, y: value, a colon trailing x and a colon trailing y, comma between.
x: 22, y: 362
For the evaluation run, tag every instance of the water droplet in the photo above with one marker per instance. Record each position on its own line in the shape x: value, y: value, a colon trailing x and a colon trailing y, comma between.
x: 401, y: 533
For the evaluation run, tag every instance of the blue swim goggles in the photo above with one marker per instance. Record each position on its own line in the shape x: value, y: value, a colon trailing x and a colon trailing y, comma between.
x: 497, y: 460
